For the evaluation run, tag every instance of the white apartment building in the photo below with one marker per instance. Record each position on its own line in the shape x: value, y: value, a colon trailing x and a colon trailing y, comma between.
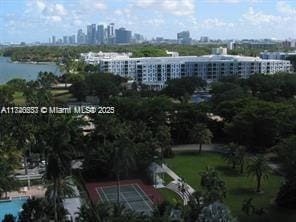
x: 219, y: 51
x: 155, y: 71
x: 276, y: 55
x: 95, y: 57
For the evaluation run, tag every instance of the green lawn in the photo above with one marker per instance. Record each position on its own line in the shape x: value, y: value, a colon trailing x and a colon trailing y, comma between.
x: 167, y: 179
x: 239, y: 187
x: 18, y: 98
x: 170, y: 196
x: 56, y: 92
x: 59, y: 95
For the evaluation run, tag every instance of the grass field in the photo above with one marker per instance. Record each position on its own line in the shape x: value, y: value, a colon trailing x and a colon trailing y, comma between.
x: 239, y: 187
x: 59, y: 95
x: 18, y: 98
x: 170, y: 196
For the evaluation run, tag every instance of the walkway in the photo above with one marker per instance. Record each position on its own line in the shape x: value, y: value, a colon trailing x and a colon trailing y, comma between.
x: 176, y: 185
x: 195, y: 147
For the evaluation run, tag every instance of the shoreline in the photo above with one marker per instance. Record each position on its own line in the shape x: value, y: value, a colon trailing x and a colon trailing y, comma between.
x: 28, y: 62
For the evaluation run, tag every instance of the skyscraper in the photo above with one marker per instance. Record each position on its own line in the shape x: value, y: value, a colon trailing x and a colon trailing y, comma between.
x: 72, y: 39
x: 53, y: 40
x: 80, y: 37
x: 184, y: 38
x: 65, y: 40
x: 110, y: 33
x: 100, y: 34
x: 204, y: 39
x: 138, y: 38
x: 123, y: 36
x: 91, y: 34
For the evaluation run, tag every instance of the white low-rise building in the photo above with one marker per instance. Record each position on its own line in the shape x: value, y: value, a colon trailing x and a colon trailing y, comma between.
x: 95, y: 57
x: 155, y: 71
x: 276, y: 55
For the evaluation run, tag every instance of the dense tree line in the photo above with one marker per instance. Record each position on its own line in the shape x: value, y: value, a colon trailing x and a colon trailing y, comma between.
x: 58, y: 53
x: 102, y: 85
x: 258, y: 112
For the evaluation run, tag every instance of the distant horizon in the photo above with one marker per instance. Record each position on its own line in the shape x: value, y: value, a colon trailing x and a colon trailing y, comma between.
x: 33, y: 21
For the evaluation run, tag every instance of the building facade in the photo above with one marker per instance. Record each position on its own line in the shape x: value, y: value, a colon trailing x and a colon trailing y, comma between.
x: 100, y: 34
x: 184, y: 38
x: 123, y: 36
x: 276, y: 55
x: 155, y: 71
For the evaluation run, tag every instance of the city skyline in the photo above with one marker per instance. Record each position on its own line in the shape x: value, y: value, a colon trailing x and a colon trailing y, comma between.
x: 37, y: 20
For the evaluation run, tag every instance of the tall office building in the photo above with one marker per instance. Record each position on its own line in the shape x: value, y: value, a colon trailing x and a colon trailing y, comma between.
x: 91, y: 34
x: 65, y: 40
x: 88, y: 34
x: 230, y: 45
x: 53, y: 41
x: 100, y: 34
x: 81, y: 37
x: 138, y: 38
x: 184, y: 38
x: 204, y: 39
x: 123, y: 36
x: 111, y: 34
x: 72, y: 39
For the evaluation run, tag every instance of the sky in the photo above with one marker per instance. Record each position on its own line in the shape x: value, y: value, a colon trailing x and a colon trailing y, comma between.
x: 37, y: 20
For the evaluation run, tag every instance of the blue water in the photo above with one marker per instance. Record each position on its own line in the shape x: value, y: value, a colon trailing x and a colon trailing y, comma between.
x: 27, y: 71
x: 11, y: 207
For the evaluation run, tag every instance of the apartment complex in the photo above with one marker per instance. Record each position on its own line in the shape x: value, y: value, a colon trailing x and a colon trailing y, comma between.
x: 276, y: 55
x: 155, y: 71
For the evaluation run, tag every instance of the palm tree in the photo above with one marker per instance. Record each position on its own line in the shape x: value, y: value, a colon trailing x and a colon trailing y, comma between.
x: 241, y: 153
x: 162, y: 212
x: 23, y: 130
x: 123, y: 159
x: 163, y: 137
x: 231, y: 154
x: 215, y: 186
x: 109, y: 212
x: 216, y: 212
x: 248, y: 206
x: 98, y: 213
x: 9, y: 218
x: 235, y: 155
x: 10, y: 158
x: 63, y: 133
x: 258, y: 168
x: 194, y: 206
x: 200, y: 134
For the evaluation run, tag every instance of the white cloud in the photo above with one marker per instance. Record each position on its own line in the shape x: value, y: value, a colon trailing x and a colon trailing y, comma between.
x: 60, y: 9
x: 51, y: 12
x: 258, y: 18
x: 93, y: 5
x: 55, y: 18
x: 174, y: 7
x: 118, y: 12
x: 144, y: 3
x: 40, y: 5
x: 285, y: 8
x: 233, y: 1
x: 155, y: 22
x: 100, y: 6
x: 215, y: 22
x: 224, y: 1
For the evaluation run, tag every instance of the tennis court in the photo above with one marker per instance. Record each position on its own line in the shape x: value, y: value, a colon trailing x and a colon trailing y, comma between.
x: 131, y: 195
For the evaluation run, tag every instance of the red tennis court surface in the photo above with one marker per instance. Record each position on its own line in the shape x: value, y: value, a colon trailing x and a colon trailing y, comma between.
x: 148, y: 190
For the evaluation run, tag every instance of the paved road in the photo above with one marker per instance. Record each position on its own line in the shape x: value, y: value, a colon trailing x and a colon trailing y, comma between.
x: 195, y: 147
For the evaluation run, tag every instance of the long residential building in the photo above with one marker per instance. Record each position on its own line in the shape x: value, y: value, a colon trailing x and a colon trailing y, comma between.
x: 155, y: 71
